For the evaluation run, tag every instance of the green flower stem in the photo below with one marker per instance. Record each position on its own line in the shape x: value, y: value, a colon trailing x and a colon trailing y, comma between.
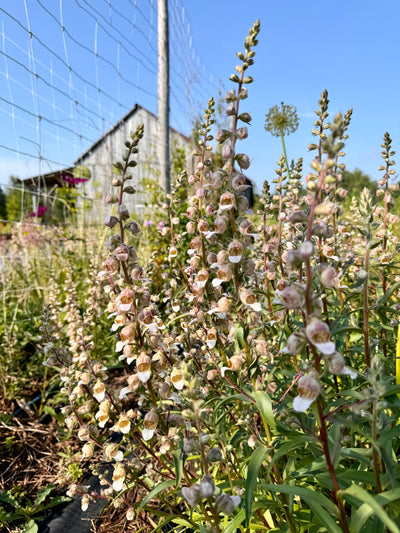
x: 284, y: 154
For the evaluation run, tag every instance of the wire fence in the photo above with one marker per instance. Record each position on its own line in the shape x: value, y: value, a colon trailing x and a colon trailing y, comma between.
x: 69, y: 70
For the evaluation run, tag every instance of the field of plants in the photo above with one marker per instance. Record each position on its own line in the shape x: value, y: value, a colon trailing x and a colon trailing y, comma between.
x: 213, y: 367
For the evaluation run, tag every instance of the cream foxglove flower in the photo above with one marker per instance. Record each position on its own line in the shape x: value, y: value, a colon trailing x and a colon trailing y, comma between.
x: 318, y: 334
x: 150, y: 423
x: 308, y: 388
x: 118, y: 477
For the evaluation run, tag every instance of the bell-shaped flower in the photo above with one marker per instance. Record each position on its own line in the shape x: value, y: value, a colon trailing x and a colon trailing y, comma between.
x: 150, y: 423
x: 295, y: 343
x: 235, y: 251
x: 85, y: 502
x: 123, y: 425
x: 173, y: 252
x: 119, y: 321
x: 318, y: 334
x: 177, y: 379
x: 249, y: 298
x: 224, y: 274
x: 99, y: 391
x: 337, y: 366
x: 293, y: 297
x: 203, y: 226
x: 202, y: 278
x: 143, y: 365
x: 87, y: 450
x: 328, y: 276
x: 308, y: 388
x: 127, y: 335
x: 207, y: 487
x: 118, y: 478
x: 220, y: 225
x: 226, y: 201
x: 112, y: 451
x: 133, y: 385
x: 211, y: 338
x: 128, y: 353
x: 240, y: 183
x: 125, y: 300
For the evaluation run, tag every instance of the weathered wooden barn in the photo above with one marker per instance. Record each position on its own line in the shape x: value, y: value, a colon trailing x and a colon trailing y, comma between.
x: 109, y: 148
x: 100, y: 157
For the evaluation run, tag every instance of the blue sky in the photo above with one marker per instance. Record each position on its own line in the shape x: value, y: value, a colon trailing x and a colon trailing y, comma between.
x: 349, y: 47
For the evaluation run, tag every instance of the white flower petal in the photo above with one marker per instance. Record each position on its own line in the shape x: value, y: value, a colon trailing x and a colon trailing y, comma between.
x: 144, y: 376
x: 123, y: 393
x: 223, y: 370
x: 117, y: 485
x: 211, y: 344
x: 147, y: 434
x: 301, y: 404
x: 327, y: 348
x: 349, y: 372
x: 216, y: 282
x: 118, y: 456
x: 119, y: 346
x: 256, y: 307
x: 99, y: 396
x: 235, y: 258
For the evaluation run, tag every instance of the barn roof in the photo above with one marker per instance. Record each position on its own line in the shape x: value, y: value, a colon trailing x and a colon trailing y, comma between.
x: 122, y: 121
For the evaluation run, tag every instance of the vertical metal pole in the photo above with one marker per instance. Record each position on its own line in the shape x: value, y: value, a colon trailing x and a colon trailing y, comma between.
x: 163, y: 93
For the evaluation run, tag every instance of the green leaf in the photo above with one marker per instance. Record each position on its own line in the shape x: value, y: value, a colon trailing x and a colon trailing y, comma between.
x: 306, y: 494
x: 233, y: 525
x: 324, y: 517
x: 265, y: 407
x: 365, y: 511
x: 7, y: 497
x: 373, y: 503
x: 252, y: 474
x: 383, y: 299
x: 31, y: 527
x: 239, y: 336
x: 178, y: 462
x: 42, y: 494
x: 159, y: 488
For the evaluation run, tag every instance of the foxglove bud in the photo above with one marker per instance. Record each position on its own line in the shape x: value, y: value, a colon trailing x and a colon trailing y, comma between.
x: 242, y: 133
x: 111, y: 199
x: 243, y: 161
x: 214, y: 455
x: 192, y: 495
x: 133, y: 227
x: 227, y: 152
x: 222, y: 135
x: 207, y: 487
x: 111, y: 221
x: 293, y: 297
x: 245, y: 117
x: 122, y: 252
x: 327, y: 275
x: 227, y: 504
x: 295, y: 343
x: 306, y: 249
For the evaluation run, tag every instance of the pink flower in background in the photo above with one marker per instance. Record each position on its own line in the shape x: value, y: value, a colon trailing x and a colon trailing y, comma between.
x: 73, y: 181
x: 148, y: 223
x: 161, y: 225
x: 41, y: 210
